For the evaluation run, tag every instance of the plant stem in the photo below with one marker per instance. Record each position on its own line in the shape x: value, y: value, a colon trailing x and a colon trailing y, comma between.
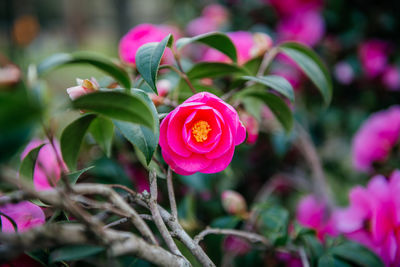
x: 252, y: 237
x: 171, y: 195
x: 157, y: 217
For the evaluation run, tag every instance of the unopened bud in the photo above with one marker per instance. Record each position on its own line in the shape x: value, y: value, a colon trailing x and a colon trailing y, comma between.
x: 234, y: 203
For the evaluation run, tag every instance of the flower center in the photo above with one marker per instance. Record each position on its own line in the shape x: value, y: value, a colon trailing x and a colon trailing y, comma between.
x: 200, y: 131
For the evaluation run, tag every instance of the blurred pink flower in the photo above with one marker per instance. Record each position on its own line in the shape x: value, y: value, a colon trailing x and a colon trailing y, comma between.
x: 25, y: 214
x: 200, y: 135
x: 307, y: 27
x: 289, y: 7
x: 236, y: 245
x: 47, y: 166
x: 391, y: 78
x: 84, y: 87
x: 313, y: 213
x: 213, y: 17
x: 251, y: 125
x: 143, y: 34
x: 376, y: 137
x: 289, y: 259
x: 373, y: 217
x: 373, y: 55
x: 248, y: 46
x: 163, y: 88
x: 344, y: 73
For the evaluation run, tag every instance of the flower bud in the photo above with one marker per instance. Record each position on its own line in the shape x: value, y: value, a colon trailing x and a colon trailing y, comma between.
x: 251, y: 125
x: 234, y: 203
x: 262, y: 44
x: 84, y: 87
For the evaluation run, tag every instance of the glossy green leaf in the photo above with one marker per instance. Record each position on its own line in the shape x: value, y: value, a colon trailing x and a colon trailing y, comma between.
x: 313, y: 247
x: 275, y: 103
x: 74, y: 176
x: 213, y: 70
x: 356, y: 254
x: 148, y: 58
x: 74, y: 252
x: 102, y: 130
x: 311, y: 65
x: 275, y: 82
x: 117, y: 105
x: 216, y: 40
x: 274, y: 224
x: 28, y: 164
x: 92, y: 59
x: 71, y: 139
x: 141, y: 137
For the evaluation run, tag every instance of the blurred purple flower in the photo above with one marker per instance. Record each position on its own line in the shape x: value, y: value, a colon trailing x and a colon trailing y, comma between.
x: 391, y: 78
x: 307, y: 27
x: 289, y: 7
x: 289, y: 259
x: 373, y: 217
x: 375, y: 139
x: 47, y: 166
x: 313, y: 213
x: 373, y: 55
x: 344, y: 73
x: 236, y: 245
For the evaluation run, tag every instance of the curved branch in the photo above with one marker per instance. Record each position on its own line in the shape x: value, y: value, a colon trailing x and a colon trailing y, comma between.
x: 252, y: 237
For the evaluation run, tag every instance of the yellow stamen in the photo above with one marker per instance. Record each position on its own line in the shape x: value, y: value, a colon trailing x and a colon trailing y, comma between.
x: 200, y: 131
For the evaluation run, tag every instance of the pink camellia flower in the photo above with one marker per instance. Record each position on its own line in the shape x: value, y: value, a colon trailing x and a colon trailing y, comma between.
x: 25, y: 214
x: 248, y: 46
x: 313, y: 213
x: 200, y: 135
x: 234, y: 203
x: 391, y: 78
x: 375, y: 139
x: 84, y: 87
x: 344, y: 73
x: 373, y: 217
x: 236, y: 245
x: 289, y: 7
x: 47, y: 166
x: 307, y: 27
x: 143, y: 34
x: 251, y: 125
x: 213, y: 17
x: 373, y: 55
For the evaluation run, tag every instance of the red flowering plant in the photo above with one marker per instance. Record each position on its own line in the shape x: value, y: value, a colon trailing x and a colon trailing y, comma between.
x: 146, y: 166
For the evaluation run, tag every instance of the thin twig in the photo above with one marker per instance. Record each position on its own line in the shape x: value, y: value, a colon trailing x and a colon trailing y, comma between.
x: 117, y: 222
x: 306, y: 146
x: 171, y: 195
x: 157, y: 217
x: 252, y: 237
x: 267, y: 59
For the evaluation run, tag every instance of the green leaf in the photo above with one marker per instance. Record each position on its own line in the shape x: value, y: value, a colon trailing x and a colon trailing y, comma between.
x: 328, y: 260
x: 74, y: 252
x: 275, y: 82
x: 275, y: 223
x: 275, y: 103
x: 102, y: 130
x: 18, y: 116
x: 71, y: 139
x: 141, y: 137
x: 311, y: 65
x: 148, y: 58
x: 356, y: 254
x: 117, y: 105
x: 213, y: 70
x: 216, y: 40
x: 28, y: 164
x: 74, y: 176
x: 92, y: 59
x: 313, y: 247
